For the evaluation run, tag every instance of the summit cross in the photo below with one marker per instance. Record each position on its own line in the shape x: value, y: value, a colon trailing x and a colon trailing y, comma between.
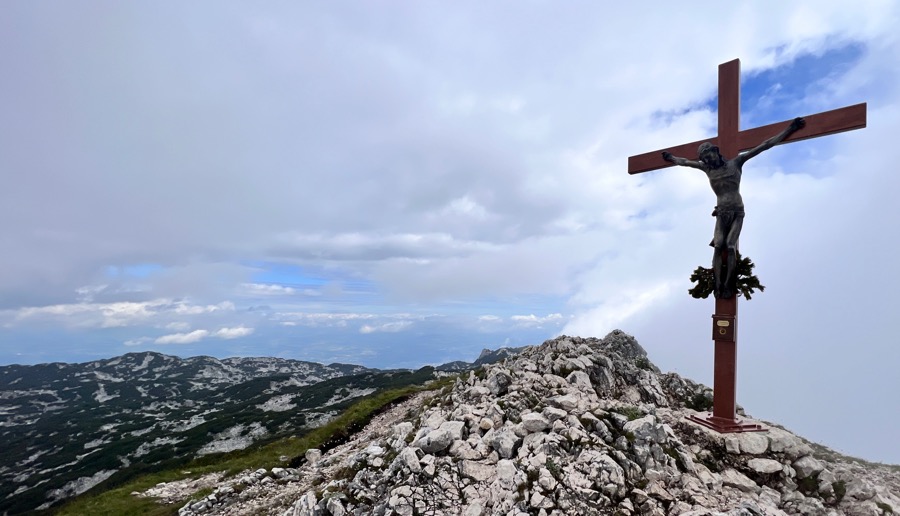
x: 731, y: 141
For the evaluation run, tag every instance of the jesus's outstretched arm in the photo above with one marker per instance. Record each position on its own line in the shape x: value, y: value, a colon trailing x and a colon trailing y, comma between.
x: 796, y: 124
x: 682, y: 161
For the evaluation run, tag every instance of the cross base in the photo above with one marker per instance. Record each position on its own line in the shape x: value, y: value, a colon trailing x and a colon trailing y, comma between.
x: 725, y: 425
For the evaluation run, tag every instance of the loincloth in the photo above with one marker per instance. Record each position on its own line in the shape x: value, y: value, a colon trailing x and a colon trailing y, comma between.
x: 725, y: 217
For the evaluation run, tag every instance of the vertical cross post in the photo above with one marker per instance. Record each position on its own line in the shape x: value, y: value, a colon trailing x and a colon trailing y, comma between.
x: 731, y: 140
x: 724, y: 415
x: 725, y: 362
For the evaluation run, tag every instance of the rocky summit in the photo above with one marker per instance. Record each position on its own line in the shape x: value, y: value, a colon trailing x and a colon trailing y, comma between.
x: 573, y: 426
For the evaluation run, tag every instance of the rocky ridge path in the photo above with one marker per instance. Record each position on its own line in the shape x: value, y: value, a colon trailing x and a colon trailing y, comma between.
x: 573, y: 426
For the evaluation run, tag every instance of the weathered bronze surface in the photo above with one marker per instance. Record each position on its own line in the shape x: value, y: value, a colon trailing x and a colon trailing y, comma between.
x: 725, y: 179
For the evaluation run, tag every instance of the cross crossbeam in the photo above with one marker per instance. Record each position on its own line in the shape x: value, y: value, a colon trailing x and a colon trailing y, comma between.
x: 731, y: 140
x: 822, y: 124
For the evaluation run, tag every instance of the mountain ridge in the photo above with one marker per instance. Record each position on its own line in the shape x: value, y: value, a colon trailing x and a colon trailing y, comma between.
x: 70, y: 427
x: 573, y: 426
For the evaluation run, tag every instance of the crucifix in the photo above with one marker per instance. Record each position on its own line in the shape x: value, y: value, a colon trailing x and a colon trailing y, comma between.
x: 724, y: 175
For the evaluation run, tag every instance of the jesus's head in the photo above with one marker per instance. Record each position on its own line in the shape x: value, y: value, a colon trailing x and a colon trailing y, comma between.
x: 709, y: 154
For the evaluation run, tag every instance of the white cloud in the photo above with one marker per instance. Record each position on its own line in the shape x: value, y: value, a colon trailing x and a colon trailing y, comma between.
x: 119, y: 314
x: 193, y: 336
x: 182, y: 338
x: 233, y: 333
x: 264, y: 289
x: 390, y: 327
x: 378, y: 246
x: 105, y: 315
x: 600, y: 320
x: 320, y: 318
x: 534, y: 320
x: 183, y: 308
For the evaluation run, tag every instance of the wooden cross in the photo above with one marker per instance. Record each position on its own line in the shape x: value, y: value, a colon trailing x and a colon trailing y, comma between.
x: 731, y: 141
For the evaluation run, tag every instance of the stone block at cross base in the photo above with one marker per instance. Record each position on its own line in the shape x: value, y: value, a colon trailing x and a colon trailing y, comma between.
x: 750, y: 443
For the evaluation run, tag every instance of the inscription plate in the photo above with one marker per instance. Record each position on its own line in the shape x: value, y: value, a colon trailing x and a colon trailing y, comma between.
x: 724, y: 328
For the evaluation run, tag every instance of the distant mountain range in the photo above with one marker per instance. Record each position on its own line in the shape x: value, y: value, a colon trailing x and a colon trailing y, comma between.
x: 69, y: 427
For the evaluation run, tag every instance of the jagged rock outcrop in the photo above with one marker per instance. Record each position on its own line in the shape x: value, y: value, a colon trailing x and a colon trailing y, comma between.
x: 574, y: 426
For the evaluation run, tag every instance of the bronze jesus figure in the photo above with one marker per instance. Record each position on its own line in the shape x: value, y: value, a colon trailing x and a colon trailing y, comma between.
x: 725, y: 180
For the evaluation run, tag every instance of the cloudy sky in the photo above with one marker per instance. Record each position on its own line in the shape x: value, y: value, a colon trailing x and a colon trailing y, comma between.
x: 401, y: 183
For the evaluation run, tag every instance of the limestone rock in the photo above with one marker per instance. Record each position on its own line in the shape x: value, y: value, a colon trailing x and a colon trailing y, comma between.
x: 566, y: 402
x: 477, y: 471
x: 737, y: 480
x: 313, y: 455
x: 498, y: 382
x: 750, y: 443
x: 765, y: 466
x: 534, y: 422
x: 807, y: 466
x: 580, y: 380
x: 781, y: 441
x: 504, y: 441
x: 409, y: 459
x: 435, y: 440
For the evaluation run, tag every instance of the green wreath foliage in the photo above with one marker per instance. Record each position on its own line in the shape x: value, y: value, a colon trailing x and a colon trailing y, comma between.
x: 747, y: 282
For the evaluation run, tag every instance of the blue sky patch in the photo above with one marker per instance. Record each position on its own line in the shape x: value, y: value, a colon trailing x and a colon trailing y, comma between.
x: 782, y: 93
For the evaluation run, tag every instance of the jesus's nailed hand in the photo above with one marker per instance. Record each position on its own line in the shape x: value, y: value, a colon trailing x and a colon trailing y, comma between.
x: 798, y: 123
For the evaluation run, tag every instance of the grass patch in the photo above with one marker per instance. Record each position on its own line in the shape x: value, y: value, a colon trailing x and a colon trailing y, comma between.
x: 553, y: 468
x: 629, y: 411
x: 700, y: 402
x: 119, y: 501
x: 809, y: 485
x: 643, y: 363
x: 679, y: 460
x: 840, y: 490
x: 532, y: 475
